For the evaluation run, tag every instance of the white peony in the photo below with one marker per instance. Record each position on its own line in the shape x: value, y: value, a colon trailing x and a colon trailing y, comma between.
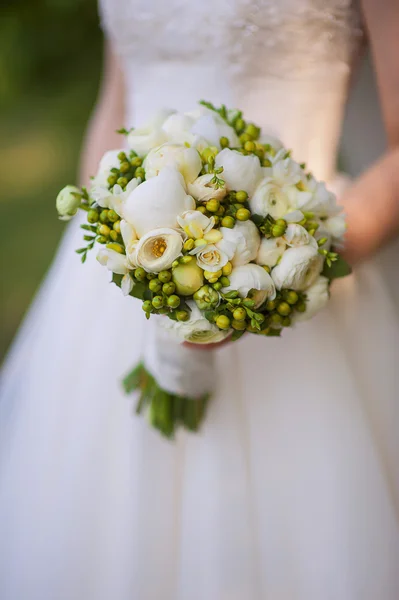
x: 317, y: 296
x: 142, y: 139
x: 109, y: 161
x: 177, y: 128
x: 114, y: 198
x: 197, y: 330
x: 316, y: 198
x: 245, y: 236
x: 284, y: 171
x: 211, y: 127
x: 68, y: 202
x: 186, y: 160
x: 298, y: 268
x: 270, y: 251
x: 296, y: 235
x: 240, y: 172
x: 270, y: 199
x: 203, y: 190
x: 252, y: 277
x: 157, y: 249
x: 157, y: 202
x: 130, y: 240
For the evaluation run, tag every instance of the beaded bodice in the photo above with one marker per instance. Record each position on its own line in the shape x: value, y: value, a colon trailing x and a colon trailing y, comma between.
x: 286, y: 63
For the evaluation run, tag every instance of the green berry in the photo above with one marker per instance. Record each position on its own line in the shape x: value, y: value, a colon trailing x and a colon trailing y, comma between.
x: 169, y: 288
x: 147, y: 306
x: 112, y: 216
x: 155, y: 285
x: 300, y: 307
x: 122, y: 156
x: 241, y: 196
x: 140, y: 274
x: 139, y: 172
x: 240, y: 314
x: 122, y: 181
x: 112, y: 179
x: 188, y: 244
x: 124, y: 167
x: 104, y: 230
x: 114, y: 235
x: 104, y: 216
x: 228, y: 222
x: 117, y: 226
x: 271, y: 305
x: 284, y: 309
x: 173, y: 301
x: 248, y: 303
x: 249, y: 146
x: 276, y: 319
x: 101, y: 239
x: 223, y: 322
x: 136, y: 161
x: 182, y: 315
x: 224, y: 142
x: 212, y: 205
x: 238, y: 325
x: 243, y: 214
x: 286, y: 322
x: 291, y: 297
x: 225, y: 281
x: 157, y: 302
x: 92, y: 216
x: 217, y: 286
x: 165, y: 276
x: 252, y: 130
x: 151, y: 276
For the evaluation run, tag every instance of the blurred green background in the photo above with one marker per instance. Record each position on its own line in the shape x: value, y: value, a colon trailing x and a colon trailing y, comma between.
x: 50, y: 60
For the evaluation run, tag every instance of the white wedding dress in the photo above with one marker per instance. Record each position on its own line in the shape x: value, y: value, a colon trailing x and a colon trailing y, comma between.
x: 291, y: 489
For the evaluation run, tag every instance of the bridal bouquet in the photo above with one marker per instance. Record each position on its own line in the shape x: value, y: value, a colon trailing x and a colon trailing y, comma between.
x: 219, y: 232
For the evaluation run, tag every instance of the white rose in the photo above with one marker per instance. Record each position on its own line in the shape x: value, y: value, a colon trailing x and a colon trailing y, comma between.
x: 316, y: 198
x: 252, y: 277
x: 298, y: 268
x: 68, y: 201
x: 157, y: 249
x: 130, y: 240
x: 240, y: 172
x: 203, y: 190
x: 212, y: 127
x: 212, y: 257
x: 186, y: 160
x: 336, y: 227
x: 245, y: 236
x: 157, y: 202
x: 270, y: 251
x: 269, y: 199
x: 296, y: 235
x: 195, y: 224
x: 114, y: 198
x: 109, y: 161
x: 317, y: 296
x: 197, y: 330
x: 142, y: 139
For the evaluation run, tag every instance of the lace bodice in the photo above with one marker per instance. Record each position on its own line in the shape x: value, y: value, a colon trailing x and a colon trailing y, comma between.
x: 286, y: 63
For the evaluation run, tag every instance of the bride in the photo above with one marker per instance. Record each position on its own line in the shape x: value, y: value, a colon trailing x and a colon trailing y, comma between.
x: 291, y: 489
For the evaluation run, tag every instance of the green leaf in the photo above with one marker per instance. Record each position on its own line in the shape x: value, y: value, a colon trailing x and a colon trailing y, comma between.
x: 80, y: 250
x: 338, y: 268
x: 274, y: 332
x: 139, y: 290
x: 257, y: 219
x: 117, y: 279
x: 236, y: 335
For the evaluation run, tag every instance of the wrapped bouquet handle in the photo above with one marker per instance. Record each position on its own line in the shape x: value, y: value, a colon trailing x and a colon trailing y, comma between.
x: 219, y: 232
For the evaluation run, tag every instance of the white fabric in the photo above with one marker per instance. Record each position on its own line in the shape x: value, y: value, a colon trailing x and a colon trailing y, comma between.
x: 291, y: 490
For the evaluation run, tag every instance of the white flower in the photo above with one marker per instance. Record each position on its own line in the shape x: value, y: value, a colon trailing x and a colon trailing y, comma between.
x: 157, y: 249
x: 203, y: 190
x: 195, y: 224
x: 296, y: 235
x: 177, y: 128
x: 127, y: 284
x: 270, y: 251
x: 212, y: 127
x: 269, y: 199
x: 114, y: 198
x: 316, y: 198
x: 115, y: 262
x: 212, y: 257
x: 245, y: 236
x: 109, y: 161
x: 274, y: 142
x: 186, y: 160
x: 130, y: 240
x: 336, y: 226
x: 157, y: 202
x: 317, y: 296
x: 252, y: 277
x: 295, y: 216
x: 68, y: 201
x: 284, y: 171
x: 197, y: 330
x: 240, y: 172
x: 142, y: 139
x: 298, y: 268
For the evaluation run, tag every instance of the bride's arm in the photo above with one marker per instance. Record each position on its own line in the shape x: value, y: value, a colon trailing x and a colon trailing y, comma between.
x: 108, y: 116
x: 372, y: 203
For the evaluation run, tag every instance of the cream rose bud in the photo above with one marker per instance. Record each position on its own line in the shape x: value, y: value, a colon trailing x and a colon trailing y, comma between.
x: 157, y: 249
x: 298, y: 268
x: 269, y: 199
x: 270, y: 251
x: 296, y: 235
x: 252, y: 277
x: 211, y: 127
x: 157, y: 202
x: 188, y: 278
x: 245, y: 236
x: 317, y: 296
x: 68, y: 201
x: 197, y: 330
x: 115, y: 262
x: 203, y: 190
x: 240, y: 172
x: 142, y: 139
x: 186, y: 160
x: 109, y: 161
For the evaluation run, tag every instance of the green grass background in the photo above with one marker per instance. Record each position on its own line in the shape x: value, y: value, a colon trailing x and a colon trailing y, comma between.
x: 50, y: 61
